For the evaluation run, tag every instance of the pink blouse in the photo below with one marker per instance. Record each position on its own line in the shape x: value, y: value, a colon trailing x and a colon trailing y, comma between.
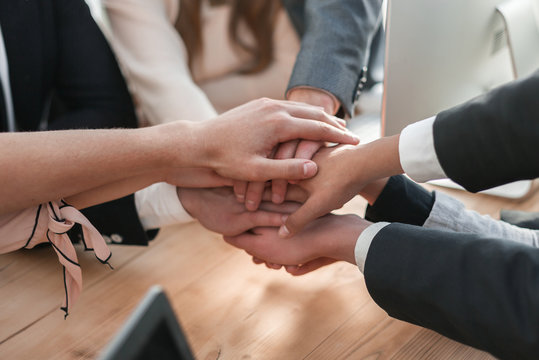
x: 49, y: 223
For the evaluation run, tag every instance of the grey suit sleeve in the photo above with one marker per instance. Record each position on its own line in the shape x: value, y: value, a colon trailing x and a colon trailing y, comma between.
x: 335, y: 37
x: 493, y: 139
x: 478, y: 290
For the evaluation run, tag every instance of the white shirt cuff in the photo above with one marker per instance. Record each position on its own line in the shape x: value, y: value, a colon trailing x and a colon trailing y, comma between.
x: 364, y: 242
x: 417, y: 153
x: 158, y: 205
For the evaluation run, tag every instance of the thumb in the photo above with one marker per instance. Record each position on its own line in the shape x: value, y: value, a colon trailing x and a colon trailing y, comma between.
x: 305, y: 214
x: 288, y: 169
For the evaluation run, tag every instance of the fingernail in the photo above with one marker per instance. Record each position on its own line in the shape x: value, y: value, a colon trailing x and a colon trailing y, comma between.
x: 283, y: 231
x: 240, y: 197
x: 309, y: 169
x: 276, y: 198
x: 284, y: 218
x: 250, y: 205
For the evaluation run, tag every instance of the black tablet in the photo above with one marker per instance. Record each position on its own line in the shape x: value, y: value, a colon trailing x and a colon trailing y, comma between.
x: 151, y: 332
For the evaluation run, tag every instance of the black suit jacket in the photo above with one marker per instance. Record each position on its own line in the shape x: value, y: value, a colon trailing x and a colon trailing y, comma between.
x: 475, y: 289
x: 55, y: 50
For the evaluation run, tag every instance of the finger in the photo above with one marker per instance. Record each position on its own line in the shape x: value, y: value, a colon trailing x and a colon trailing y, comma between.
x: 253, y: 195
x: 293, y: 193
x: 273, y: 266
x: 240, y: 188
x: 257, y: 260
x: 296, y: 193
x: 264, y: 219
x: 312, y: 209
x: 296, y: 128
x: 308, y: 267
x: 278, y: 186
x: 288, y: 207
x: 264, y: 169
x: 306, y: 149
x: 315, y: 113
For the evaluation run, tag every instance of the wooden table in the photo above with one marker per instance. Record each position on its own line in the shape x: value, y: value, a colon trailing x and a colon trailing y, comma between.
x: 229, y: 308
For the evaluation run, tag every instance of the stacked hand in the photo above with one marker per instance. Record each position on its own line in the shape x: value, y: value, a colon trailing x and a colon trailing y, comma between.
x: 236, y: 147
x: 251, y: 193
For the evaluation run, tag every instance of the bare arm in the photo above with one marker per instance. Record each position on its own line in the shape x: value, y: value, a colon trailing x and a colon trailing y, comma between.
x: 38, y: 167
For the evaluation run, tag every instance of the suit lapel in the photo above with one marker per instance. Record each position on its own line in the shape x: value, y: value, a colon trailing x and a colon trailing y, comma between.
x: 21, y: 26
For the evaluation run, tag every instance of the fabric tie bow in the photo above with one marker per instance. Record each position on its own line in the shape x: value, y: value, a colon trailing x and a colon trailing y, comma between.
x: 61, y: 219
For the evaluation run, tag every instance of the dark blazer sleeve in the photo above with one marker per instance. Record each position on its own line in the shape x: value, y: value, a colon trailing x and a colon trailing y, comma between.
x: 493, y: 139
x: 335, y: 37
x: 402, y: 201
x: 480, y: 291
x: 91, y: 92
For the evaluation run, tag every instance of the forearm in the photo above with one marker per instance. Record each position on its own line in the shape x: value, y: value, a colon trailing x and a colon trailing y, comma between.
x: 450, y: 214
x: 493, y: 139
x: 376, y: 160
x: 478, y: 290
x: 113, y: 190
x: 38, y: 167
x: 336, y: 37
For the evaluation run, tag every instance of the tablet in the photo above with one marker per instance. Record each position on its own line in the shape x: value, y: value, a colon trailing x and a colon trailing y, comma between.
x: 151, y: 332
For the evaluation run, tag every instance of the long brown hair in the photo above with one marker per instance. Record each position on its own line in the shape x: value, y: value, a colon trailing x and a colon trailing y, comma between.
x: 258, y: 15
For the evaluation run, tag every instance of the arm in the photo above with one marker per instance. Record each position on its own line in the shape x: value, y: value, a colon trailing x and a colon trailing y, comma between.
x: 154, y: 60
x: 90, y: 92
x: 233, y: 145
x: 478, y: 290
x: 499, y: 128
x: 335, y: 37
x: 485, y: 142
x: 473, y: 288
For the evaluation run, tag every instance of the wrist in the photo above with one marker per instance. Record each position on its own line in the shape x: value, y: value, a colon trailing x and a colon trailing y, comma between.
x: 372, y: 191
x: 314, y: 96
x: 177, y: 144
x: 349, y: 228
x: 186, y: 201
x: 378, y: 159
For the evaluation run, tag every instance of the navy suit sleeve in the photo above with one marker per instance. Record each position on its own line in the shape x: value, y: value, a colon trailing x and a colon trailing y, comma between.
x: 480, y: 291
x: 493, y: 139
x: 403, y: 201
x: 335, y: 37
x: 91, y: 92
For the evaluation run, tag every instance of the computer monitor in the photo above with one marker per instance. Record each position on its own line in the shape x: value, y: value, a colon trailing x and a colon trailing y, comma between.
x: 151, y: 332
x: 440, y: 53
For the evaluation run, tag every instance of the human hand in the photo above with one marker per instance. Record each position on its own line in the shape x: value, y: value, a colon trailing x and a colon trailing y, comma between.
x: 303, y: 149
x: 344, y: 171
x: 238, y: 147
x: 325, y: 240
x: 251, y: 193
x: 217, y: 210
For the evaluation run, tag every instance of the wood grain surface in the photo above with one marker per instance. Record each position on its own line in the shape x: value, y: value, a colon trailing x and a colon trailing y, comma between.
x: 228, y: 307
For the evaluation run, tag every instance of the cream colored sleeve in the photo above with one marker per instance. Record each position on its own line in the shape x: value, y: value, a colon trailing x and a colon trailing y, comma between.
x: 154, y: 60
x: 271, y: 82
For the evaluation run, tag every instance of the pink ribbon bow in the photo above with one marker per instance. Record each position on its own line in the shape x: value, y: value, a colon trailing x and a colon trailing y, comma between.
x: 61, y: 220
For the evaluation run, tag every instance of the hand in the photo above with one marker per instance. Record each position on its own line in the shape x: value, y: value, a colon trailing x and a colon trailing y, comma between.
x: 344, y: 171
x: 251, y: 193
x: 303, y: 149
x: 196, y: 178
x: 238, y: 143
x: 217, y: 210
x: 330, y: 237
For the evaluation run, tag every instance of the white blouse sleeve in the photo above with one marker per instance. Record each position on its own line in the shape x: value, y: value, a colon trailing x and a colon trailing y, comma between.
x: 154, y: 60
